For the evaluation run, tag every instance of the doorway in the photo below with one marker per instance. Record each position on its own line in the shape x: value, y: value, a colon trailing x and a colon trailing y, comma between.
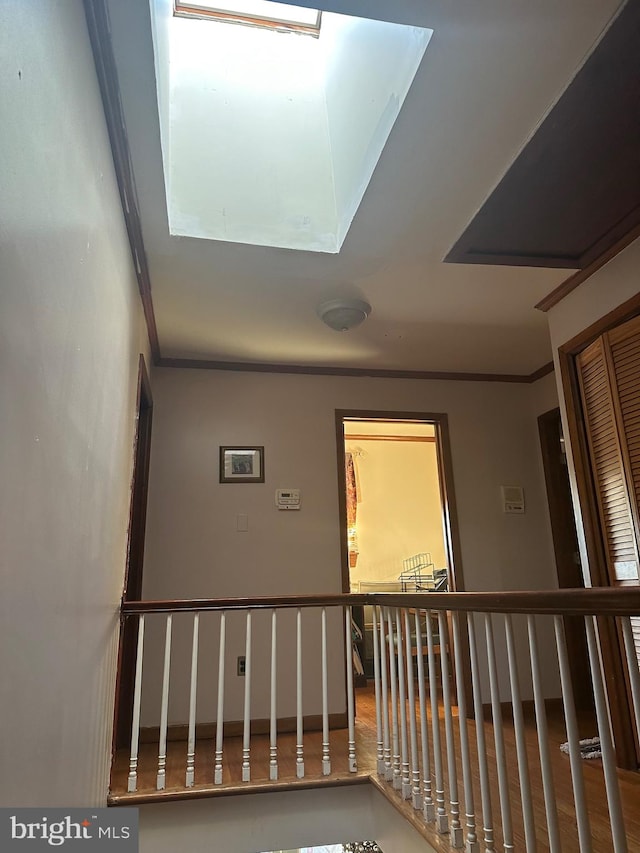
x: 398, y: 523
x: 565, y: 546
x: 600, y: 369
x: 135, y: 556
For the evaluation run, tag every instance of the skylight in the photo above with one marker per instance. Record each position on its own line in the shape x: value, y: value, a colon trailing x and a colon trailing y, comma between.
x: 268, y: 139
x: 254, y: 12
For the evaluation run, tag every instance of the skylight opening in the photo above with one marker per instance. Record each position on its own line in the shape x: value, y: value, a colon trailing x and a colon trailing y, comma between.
x: 269, y: 140
x: 255, y: 13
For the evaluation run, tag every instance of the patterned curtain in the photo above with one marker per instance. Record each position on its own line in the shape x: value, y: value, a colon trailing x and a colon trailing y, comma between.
x: 352, y: 503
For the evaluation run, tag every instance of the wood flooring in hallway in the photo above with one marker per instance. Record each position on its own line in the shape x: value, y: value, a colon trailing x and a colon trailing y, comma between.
x: 366, y: 752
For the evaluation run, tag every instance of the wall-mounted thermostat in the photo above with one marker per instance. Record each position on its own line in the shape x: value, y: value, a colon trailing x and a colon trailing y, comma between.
x: 288, y: 498
x: 512, y: 499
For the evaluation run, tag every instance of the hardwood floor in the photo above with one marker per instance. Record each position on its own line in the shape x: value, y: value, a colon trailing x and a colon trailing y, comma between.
x: 629, y: 783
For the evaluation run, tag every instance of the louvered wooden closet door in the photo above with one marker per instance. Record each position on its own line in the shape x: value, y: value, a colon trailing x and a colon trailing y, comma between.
x: 624, y: 344
x: 607, y: 462
x: 609, y: 374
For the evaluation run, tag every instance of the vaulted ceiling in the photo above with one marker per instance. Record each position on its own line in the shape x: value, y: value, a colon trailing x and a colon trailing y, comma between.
x: 491, y: 74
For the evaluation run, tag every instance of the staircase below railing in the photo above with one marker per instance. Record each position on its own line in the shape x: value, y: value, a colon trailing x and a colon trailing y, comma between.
x: 452, y: 739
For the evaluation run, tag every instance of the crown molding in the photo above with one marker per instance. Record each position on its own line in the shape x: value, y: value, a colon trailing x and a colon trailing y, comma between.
x: 97, y: 16
x: 575, y: 280
x: 364, y: 372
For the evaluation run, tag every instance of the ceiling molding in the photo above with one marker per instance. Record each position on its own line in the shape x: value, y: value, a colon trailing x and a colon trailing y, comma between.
x: 574, y: 281
x: 541, y: 372
x: 572, y: 195
x: 97, y: 17
x: 373, y: 373
x: 626, y: 311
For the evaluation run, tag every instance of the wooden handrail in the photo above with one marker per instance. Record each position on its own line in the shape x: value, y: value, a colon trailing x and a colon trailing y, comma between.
x: 595, y: 601
x: 263, y: 603
x: 600, y: 601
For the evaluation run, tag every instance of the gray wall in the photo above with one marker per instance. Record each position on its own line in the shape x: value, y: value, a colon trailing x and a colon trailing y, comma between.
x: 194, y: 550
x: 70, y: 337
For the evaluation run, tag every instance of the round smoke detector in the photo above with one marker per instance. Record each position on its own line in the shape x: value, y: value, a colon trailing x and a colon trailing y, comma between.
x: 343, y: 314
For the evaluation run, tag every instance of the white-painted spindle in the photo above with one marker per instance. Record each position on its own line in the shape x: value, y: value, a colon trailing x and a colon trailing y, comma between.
x: 273, y: 720
x: 246, y: 733
x: 406, y: 779
x: 164, y: 708
x: 551, y: 810
x: 397, y: 777
x: 632, y: 665
x: 521, y: 744
x: 416, y: 796
x: 351, y: 717
x: 217, y: 773
x: 442, y: 819
x: 575, y: 759
x: 193, y: 692
x: 132, y: 781
x: 428, y: 806
x: 326, y: 759
x: 299, y: 724
x: 384, y: 680
x: 616, y: 819
x: 472, y: 843
x: 456, y: 832
x: 377, y: 686
x: 485, y: 785
x: 498, y: 737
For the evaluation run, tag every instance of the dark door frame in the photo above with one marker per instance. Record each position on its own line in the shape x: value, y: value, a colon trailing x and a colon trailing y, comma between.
x: 445, y: 474
x: 613, y: 655
x: 565, y: 547
x: 440, y: 422
x: 132, y: 590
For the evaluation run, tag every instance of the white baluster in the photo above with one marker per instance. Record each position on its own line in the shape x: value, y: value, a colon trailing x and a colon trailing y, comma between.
x: 543, y: 740
x: 299, y: 725
x: 386, y: 732
x: 616, y: 819
x: 326, y: 760
x: 132, y: 782
x: 406, y: 780
x: 582, y: 815
x: 217, y: 778
x: 376, y: 681
x: 397, y: 778
x: 164, y: 709
x: 442, y: 819
x: 246, y: 735
x: 428, y: 806
x: 521, y: 744
x: 351, y: 717
x: 411, y: 704
x: 191, y: 743
x: 456, y: 834
x: 632, y: 665
x: 273, y: 725
x: 485, y: 785
x: 498, y: 737
x: 472, y: 845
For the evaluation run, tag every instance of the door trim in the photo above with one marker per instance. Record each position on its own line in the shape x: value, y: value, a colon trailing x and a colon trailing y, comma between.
x: 565, y: 548
x: 132, y: 586
x: 440, y: 422
x: 613, y: 656
x: 445, y: 475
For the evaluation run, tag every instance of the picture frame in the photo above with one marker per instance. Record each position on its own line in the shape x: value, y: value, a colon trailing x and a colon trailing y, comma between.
x: 242, y: 464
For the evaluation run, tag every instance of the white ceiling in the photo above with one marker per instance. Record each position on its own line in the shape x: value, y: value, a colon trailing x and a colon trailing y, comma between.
x: 491, y: 73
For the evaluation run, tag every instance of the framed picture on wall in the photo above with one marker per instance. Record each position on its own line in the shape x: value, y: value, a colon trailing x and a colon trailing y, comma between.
x: 242, y: 464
